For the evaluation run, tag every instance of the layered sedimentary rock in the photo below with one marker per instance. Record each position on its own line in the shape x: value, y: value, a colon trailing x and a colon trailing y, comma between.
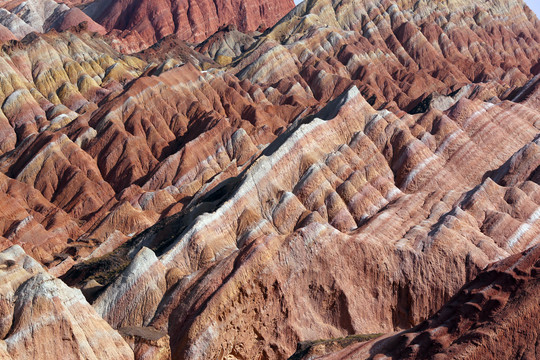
x: 397, y: 54
x: 6, y: 34
x: 191, y: 20
x: 48, y: 89
x: 345, y: 172
x: 106, y: 172
x: 268, y: 251
x: 480, y: 322
x: 24, y: 17
x: 171, y: 51
x: 226, y: 44
x: 136, y: 25
x: 113, y: 309
x: 42, y: 318
x: 147, y: 343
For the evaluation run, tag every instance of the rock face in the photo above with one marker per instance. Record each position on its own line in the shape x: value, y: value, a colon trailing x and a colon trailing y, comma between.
x: 133, y: 284
x: 226, y: 44
x: 345, y: 172
x: 48, y: 86
x: 135, y: 25
x: 278, y: 265
x: 43, y: 318
x: 24, y: 17
x: 480, y: 322
x: 86, y: 177
x: 6, y: 34
x: 394, y: 53
x: 171, y: 51
x: 191, y: 20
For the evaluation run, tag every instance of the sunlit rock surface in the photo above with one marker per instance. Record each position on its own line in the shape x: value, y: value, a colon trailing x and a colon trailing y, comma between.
x: 344, y: 172
x: 42, y: 318
x: 480, y: 322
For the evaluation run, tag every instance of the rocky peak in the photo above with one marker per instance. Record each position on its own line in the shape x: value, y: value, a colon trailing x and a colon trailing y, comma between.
x: 44, y: 318
x: 23, y: 17
x: 192, y: 21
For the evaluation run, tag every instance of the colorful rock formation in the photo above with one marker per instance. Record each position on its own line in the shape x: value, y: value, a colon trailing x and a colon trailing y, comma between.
x: 135, y: 25
x: 23, y: 17
x: 191, y: 20
x: 344, y: 172
x: 480, y: 322
x: 42, y: 318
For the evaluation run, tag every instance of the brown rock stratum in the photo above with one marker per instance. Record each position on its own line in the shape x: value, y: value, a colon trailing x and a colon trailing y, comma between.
x: 345, y: 172
x: 477, y: 323
x: 21, y: 18
x: 191, y: 20
x: 135, y: 25
x: 42, y: 318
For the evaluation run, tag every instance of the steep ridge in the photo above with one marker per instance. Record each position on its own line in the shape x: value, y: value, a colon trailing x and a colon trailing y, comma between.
x: 48, y: 89
x: 23, y: 17
x: 345, y: 172
x: 479, y: 322
x: 171, y: 51
x: 133, y: 26
x: 226, y: 44
x: 43, y: 318
x: 109, y: 150
x: 397, y: 53
x: 278, y: 243
x: 193, y: 21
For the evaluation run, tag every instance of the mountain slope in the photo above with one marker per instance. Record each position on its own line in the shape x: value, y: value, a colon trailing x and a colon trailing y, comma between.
x: 190, y: 20
x: 480, y: 322
x: 345, y: 172
x: 24, y: 17
x: 43, y: 318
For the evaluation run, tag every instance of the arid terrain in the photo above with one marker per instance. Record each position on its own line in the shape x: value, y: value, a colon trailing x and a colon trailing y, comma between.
x: 233, y: 179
